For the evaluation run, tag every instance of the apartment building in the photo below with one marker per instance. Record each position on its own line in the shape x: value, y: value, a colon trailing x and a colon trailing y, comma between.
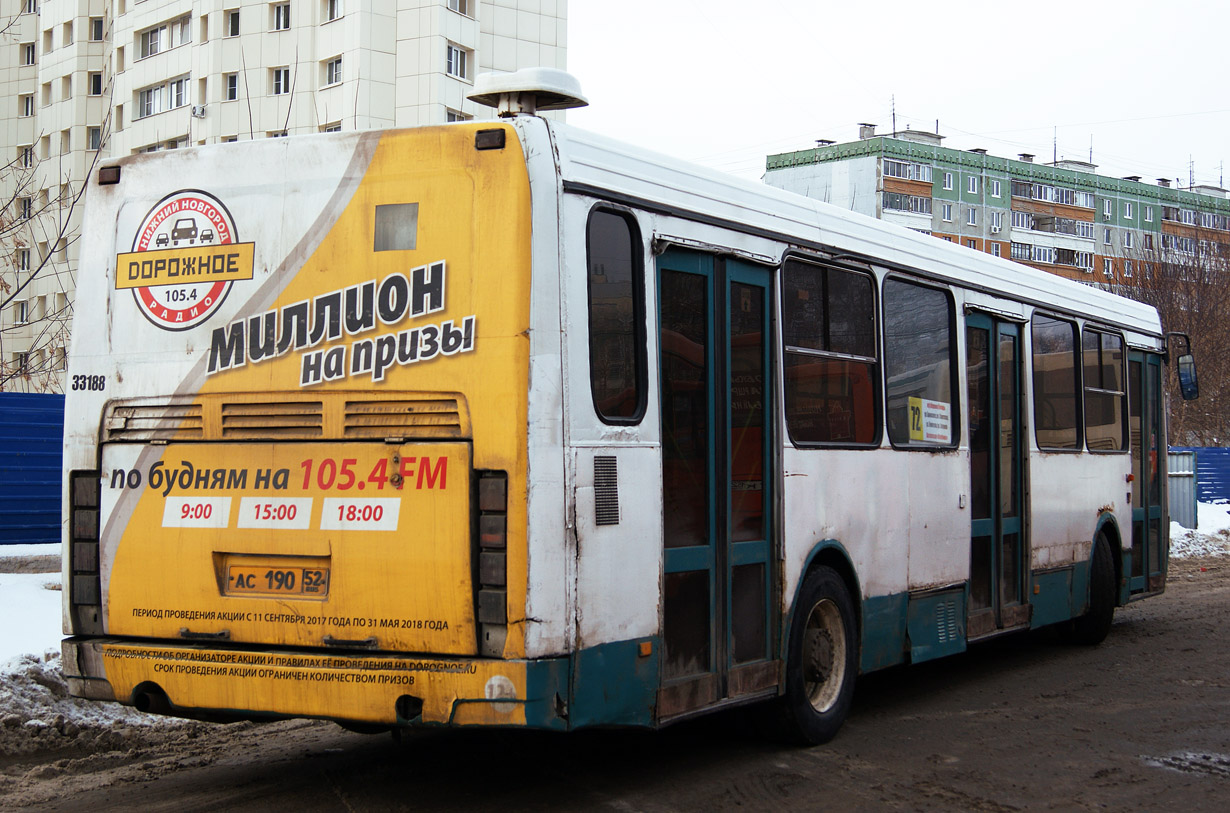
x: 84, y: 79
x: 1061, y: 217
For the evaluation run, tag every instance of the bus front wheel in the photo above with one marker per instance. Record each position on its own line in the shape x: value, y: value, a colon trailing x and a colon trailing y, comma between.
x: 822, y: 660
x: 1092, y: 627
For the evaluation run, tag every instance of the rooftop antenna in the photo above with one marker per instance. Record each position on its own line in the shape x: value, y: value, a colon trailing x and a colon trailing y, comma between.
x: 525, y: 92
x: 1091, y: 148
x: 1055, y: 145
x: 892, y: 100
x: 1191, y: 172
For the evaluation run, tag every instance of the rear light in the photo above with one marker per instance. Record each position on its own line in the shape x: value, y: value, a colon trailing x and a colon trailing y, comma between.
x: 492, y: 594
x: 86, y: 590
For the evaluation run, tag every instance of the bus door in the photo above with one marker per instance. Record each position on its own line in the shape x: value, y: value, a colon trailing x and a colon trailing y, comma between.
x: 997, y: 549
x: 1148, y: 469
x: 714, y: 355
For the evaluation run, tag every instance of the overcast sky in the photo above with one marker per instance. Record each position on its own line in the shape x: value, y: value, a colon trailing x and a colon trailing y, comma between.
x: 726, y: 82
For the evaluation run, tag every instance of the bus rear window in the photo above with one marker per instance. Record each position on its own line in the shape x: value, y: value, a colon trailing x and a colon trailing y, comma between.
x: 1056, y: 387
x: 616, y: 317
x: 1104, y: 418
x: 828, y: 328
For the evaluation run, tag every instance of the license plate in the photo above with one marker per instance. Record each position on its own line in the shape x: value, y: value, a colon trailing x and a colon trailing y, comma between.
x: 275, y: 580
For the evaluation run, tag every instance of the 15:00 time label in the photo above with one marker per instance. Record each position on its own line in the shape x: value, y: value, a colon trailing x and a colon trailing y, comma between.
x: 294, y: 513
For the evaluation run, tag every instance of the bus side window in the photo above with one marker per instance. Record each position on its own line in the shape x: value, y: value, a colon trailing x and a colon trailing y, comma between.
x: 1056, y: 385
x: 616, y: 316
x: 918, y: 366
x: 828, y: 329
x: 1104, y: 401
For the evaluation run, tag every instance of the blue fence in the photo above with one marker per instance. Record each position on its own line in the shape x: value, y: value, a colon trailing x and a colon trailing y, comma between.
x: 1212, y: 472
x: 31, y: 451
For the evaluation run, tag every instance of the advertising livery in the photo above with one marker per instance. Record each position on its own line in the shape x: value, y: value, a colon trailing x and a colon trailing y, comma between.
x: 304, y: 356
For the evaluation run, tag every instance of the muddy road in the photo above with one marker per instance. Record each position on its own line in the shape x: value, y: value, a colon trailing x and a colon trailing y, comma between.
x: 1141, y: 722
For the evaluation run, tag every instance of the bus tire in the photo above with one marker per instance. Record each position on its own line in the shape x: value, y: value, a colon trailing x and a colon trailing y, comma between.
x: 822, y: 660
x: 1093, y: 627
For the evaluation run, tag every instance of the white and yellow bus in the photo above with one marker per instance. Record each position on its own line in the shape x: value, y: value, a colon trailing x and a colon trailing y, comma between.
x: 508, y: 424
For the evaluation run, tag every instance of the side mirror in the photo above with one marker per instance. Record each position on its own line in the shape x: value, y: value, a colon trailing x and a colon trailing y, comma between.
x: 1188, y: 387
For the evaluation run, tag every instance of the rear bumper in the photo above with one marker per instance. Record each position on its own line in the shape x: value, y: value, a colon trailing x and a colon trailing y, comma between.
x: 379, y: 689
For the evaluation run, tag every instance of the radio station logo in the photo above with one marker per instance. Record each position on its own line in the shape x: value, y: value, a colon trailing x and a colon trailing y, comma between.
x: 184, y: 259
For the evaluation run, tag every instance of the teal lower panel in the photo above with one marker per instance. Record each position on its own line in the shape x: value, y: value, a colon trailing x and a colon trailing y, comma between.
x: 613, y: 684
x: 884, y: 631
x: 1080, y: 588
x: 1052, y: 597
x: 937, y: 624
x: 546, y: 687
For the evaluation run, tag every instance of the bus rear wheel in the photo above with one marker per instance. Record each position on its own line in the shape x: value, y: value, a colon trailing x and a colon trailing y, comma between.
x: 822, y: 660
x: 1093, y: 627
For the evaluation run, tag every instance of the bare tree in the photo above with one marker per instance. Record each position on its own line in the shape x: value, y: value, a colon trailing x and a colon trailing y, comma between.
x: 1186, y: 276
x: 40, y: 219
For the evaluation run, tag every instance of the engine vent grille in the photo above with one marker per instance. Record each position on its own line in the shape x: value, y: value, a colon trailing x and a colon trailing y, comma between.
x: 288, y: 416
x: 947, y: 622
x: 606, y: 491
x: 418, y: 417
x: 282, y: 419
x: 138, y: 421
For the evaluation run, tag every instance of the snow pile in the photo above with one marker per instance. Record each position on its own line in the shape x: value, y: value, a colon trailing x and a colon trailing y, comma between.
x: 36, y: 713
x: 30, y: 605
x: 1212, y: 537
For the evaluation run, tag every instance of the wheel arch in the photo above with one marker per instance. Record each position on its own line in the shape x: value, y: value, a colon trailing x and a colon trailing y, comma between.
x: 1108, y: 526
x: 832, y: 554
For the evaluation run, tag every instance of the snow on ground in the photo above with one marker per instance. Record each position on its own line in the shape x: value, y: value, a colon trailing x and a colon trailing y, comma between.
x: 30, y: 605
x: 1211, y: 537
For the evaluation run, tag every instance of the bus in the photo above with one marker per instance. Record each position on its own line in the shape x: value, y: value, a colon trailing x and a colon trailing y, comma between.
x: 508, y: 424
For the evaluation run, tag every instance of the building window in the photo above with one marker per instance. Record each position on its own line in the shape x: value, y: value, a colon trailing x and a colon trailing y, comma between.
x: 453, y: 115
x: 25, y: 105
x: 997, y: 221
x: 96, y: 29
x: 456, y: 62
x: 907, y: 170
x: 973, y: 184
x: 67, y: 34
x: 149, y: 101
x: 918, y: 365
x: 971, y: 216
x: 616, y: 316
x: 231, y: 28
x: 333, y: 9
x: 1108, y: 209
x: 1108, y: 267
x: 231, y: 139
x: 831, y: 371
x: 281, y: 17
x: 333, y: 71
x: 177, y: 95
x: 948, y: 180
x: 25, y: 157
x: 95, y: 84
x: 898, y: 202
x: 1127, y: 210
x: 279, y: 81
x: 27, y: 53
x: 995, y: 189
x: 31, y: 7
x: 95, y: 138
x: 1127, y: 239
x: 25, y: 208
x: 1127, y: 268
x: 1106, y: 236
x: 23, y: 259
x: 995, y: 249
x: 946, y: 212
x: 151, y: 41
x: 276, y: 134
x: 970, y: 243
x: 230, y: 90
x: 460, y: 6
x: 1148, y: 214
x: 335, y: 127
